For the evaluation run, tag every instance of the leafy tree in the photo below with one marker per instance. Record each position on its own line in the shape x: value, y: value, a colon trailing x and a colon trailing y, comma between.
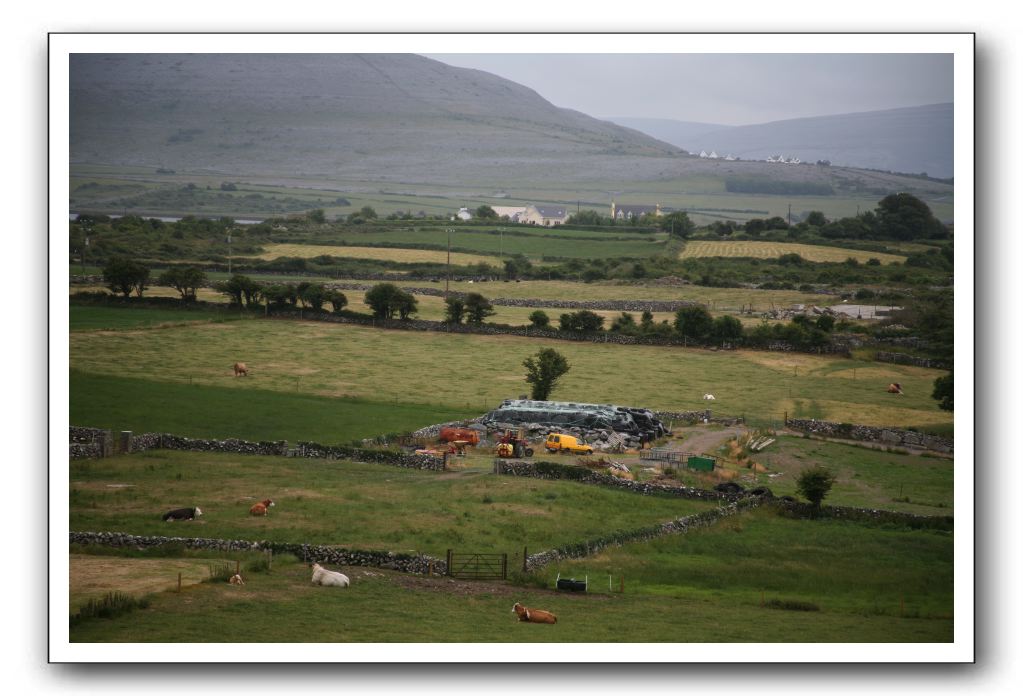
x: 591, y: 274
x: 539, y: 319
x: 943, y: 392
x: 727, y: 329
x: 367, y: 213
x: 407, y: 305
x: 517, y: 265
x: 387, y: 299
x: 693, y: 322
x: 313, y: 295
x: 239, y: 286
x: 814, y: 484
x: 316, y: 215
x: 581, y: 321
x: 185, y: 279
x: 903, y: 216
x: 792, y: 259
x: 337, y: 299
x: 625, y: 323
x: 646, y: 321
x: 678, y: 224
x: 586, y: 217
x: 826, y: 322
x: 125, y: 276
x: 485, y: 212
x: 454, y: 310
x: 816, y: 218
x: 543, y: 372
x: 281, y: 295
x: 477, y: 308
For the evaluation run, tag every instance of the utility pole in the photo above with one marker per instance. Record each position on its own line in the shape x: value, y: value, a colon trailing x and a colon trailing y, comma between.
x: 447, y: 281
x: 229, y: 252
x: 85, y: 248
x: 790, y: 215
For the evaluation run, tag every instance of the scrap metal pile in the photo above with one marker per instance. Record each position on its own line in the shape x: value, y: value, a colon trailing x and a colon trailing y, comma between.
x: 593, y: 420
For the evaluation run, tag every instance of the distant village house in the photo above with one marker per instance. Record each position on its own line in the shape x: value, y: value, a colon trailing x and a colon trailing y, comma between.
x: 627, y: 212
x: 545, y: 215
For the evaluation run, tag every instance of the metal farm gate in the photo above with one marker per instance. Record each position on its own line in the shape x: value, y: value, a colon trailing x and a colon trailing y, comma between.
x: 478, y: 566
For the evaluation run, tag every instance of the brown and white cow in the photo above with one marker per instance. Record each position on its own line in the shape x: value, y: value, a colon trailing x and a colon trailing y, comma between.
x: 894, y: 388
x: 261, y: 508
x: 534, y: 615
x: 241, y: 369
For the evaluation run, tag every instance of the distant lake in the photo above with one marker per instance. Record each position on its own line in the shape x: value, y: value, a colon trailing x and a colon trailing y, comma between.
x: 72, y: 216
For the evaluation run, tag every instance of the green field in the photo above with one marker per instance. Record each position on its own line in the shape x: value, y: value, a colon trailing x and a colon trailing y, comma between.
x: 715, y: 579
x: 842, y: 567
x: 474, y: 372
x: 866, y: 477
x: 217, y: 411
x: 84, y: 318
x: 535, y: 243
x: 362, y: 506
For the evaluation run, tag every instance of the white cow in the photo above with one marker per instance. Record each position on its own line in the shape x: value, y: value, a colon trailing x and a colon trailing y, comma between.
x: 708, y: 397
x: 328, y: 578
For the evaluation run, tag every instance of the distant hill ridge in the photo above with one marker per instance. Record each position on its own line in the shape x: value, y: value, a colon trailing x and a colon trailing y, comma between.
x: 912, y: 140
x: 384, y: 121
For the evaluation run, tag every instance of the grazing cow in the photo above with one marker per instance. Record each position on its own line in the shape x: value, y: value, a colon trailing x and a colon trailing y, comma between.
x: 241, y: 369
x: 261, y: 508
x: 236, y: 580
x: 708, y: 397
x: 895, y: 388
x: 328, y: 578
x: 182, y: 514
x: 534, y: 615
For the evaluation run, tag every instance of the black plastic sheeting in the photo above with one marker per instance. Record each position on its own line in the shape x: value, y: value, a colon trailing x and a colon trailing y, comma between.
x: 639, y: 422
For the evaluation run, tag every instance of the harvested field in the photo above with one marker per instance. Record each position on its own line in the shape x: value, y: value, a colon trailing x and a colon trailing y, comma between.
x: 772, y: 250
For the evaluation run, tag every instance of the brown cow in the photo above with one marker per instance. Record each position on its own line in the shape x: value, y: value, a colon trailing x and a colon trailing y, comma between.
x: 534, y: 615
x: 894, y: 388
x: 236, y: 580
x: 241, y: 369
x: 261, y: 508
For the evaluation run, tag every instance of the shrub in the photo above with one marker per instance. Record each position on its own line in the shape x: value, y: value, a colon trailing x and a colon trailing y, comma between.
x: 791, y: 605
x: 110, y: 606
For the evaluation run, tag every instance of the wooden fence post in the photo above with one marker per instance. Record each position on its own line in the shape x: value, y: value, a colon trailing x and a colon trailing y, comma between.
x: 179, y: 583
x: 449, y: 562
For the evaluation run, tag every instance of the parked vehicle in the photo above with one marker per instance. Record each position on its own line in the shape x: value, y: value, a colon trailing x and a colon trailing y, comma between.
x: 559, y: 442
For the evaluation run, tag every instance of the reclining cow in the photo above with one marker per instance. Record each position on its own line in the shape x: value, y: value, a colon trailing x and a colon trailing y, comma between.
x: 328, y: 578
x: 894, y: 388
x: 534, y: 615
x: 241, y: 370
x: 182, y: 514
x: 261, y: 508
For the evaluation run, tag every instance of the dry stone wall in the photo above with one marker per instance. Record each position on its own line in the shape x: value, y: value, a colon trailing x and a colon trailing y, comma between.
x: 677, y: 526
x: 906, y: 359
x: 420, y: 564
x: 402, y: 459
x: 563, y: 472
x: 869, y: 433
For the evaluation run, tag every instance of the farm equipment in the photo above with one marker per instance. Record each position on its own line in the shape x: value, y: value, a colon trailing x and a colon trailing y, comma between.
x: 571, y: 584
x: 467, y: 435
x: 513, y: 444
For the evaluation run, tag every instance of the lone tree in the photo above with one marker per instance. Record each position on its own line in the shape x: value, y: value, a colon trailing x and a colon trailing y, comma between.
x: 454, y: 311
x: 125, y: 275
x: 539, y: 319
x: 477, y: 308
x: 944, y: 392
x: 337, y: 299
x: 238, y: 286
x: 184, y: 279
x: 543, y: 371
x: 387, y: 299
x: 814, y: 484
x: 677, y: 224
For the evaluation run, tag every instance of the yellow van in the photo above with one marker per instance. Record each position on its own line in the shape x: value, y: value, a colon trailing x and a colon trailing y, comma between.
x: 558, y: 442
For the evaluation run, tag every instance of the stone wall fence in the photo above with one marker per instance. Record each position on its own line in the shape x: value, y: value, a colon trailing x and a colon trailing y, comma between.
x: 906, y: 359
x: 129, y: 442
x: 552, y: 471
x: 869, y: 433
x: 407, y: 563
x: 680, y: 525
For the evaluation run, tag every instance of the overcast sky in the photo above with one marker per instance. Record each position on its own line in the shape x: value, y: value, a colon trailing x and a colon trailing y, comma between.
x: 730, y: 89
